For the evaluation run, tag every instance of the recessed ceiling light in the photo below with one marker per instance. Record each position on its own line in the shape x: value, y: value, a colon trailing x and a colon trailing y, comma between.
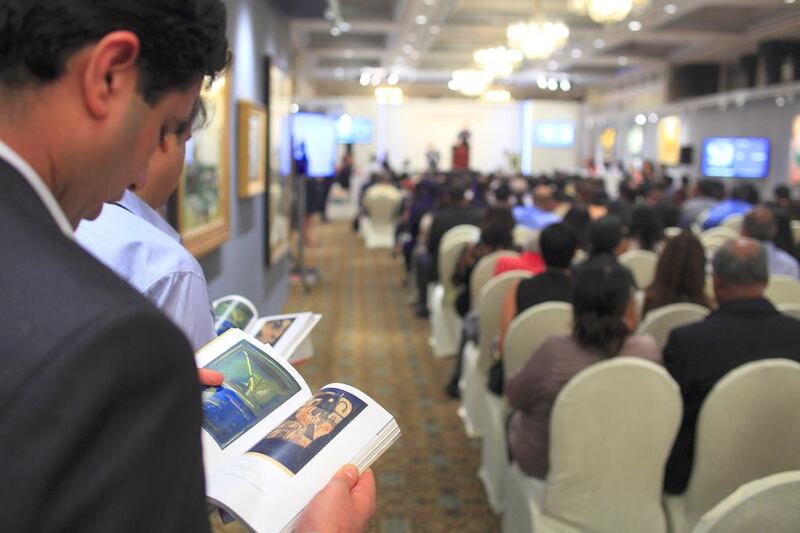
x: 780, y: 101
x: 599, y: 43
x: 565, y: 85
x: 552, y: 65
x: 365, y: 79
x: 640, y: 119
x: 670, y: 9
x: 576, y: 53
x: 393, y: 79
x: 348, y: 53
x: 435, y: 30
x: 622, y: 61
x: 345, y: 26
x: 430, y: 2
x: 541, y: 82
x: 652, y: 118
x: 336, y: 31
x: 634, y: 25
x: 421, y: 20
x: 407, y: 48
x: 552, y: 84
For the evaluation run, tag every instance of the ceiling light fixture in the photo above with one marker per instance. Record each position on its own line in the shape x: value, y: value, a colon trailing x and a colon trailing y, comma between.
x: 607, y: 11
x: 634, y: 25
x: 641, y: 119
x: 670, y: 9
x: 552, y: 84
x: 499, y: 61
x: 622, y: 61
x: 333, y: 14
x: 539, y: 38
x: 389, y: 95
x: 496, y: 96
x: 576, y: 53
x: 565, y: 85
x: 470, y: 82
x: 421, y: 20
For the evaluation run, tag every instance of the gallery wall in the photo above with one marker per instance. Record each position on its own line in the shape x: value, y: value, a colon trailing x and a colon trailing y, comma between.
x: 255, y: 29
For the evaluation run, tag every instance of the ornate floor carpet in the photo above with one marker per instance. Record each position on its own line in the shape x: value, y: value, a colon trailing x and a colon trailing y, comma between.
x: 369, y: 337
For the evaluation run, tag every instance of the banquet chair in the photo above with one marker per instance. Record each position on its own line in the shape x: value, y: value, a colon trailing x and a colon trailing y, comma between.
x: 658, y: 323
x: 782, y: 290
x: 642, y: 264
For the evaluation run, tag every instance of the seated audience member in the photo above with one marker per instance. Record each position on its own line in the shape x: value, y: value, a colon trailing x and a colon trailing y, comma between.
x: 784, y: 200
x: 606, y: 242
x: 743, y: 197
x: 745, y: 328
x: 680, y: 274
x: 558, y: 245
x: 382, y: 186
x: 759, y: 224
x: 530, y: 259
x: 137, y: 243
x: 496, y: 226
x: 542, y: 213
x: 605, y: 319
x: 578, y: 220
x: 453, y: 212
x: 646, y: 231
x: 706, y: 195
x: 784, y: 236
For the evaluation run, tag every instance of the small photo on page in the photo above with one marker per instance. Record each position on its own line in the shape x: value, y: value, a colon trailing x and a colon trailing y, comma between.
x: 272, y: 330
x: 301, y: 437
x: 255, y: 385
x: 235, y: 314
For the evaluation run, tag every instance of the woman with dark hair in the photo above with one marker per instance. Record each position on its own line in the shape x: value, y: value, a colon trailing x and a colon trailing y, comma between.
x: 784, y: 239
x: 578, y: 220
x: 680, y: 274
x: 497, y: 224
x: 646, y: 231
x: 604, y: 321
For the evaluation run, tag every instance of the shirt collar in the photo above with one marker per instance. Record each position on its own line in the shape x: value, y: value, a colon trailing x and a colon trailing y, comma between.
x: 39, y: 187
x: 140, y: 208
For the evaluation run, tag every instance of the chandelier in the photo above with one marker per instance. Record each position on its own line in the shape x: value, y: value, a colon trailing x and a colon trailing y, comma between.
x: 538, y: 39
x: 607, y: 11
x: 470, y: 82
x: 389, y: 95
x: 499, y: 61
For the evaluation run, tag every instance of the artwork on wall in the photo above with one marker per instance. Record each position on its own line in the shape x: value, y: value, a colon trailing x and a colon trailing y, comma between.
x: 669, y: 141
x: 279, y: 94
x: 252, y: 149
x: 200, y: 211
x: 635, y: 141
x: 794, y: 152
x: 607, y: 141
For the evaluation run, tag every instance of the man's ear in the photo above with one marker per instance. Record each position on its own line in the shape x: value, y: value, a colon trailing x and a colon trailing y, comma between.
x: 110, y: 71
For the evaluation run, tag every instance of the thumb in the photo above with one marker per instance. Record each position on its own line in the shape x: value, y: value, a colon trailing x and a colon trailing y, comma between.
x: 347, y: 475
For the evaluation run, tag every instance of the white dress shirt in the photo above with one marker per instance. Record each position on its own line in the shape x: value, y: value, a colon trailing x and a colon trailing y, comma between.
x: 134, y: 241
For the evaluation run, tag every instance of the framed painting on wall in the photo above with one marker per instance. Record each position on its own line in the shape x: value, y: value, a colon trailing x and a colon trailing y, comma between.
x: 669, y: 141
x: 252, y: 149
x: 201, y: 211
x: 279, y: 197
x: 794, y: 152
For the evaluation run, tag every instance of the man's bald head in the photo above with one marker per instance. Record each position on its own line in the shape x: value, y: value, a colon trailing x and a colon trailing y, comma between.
x: 741, y: 270
x: 759, y: 224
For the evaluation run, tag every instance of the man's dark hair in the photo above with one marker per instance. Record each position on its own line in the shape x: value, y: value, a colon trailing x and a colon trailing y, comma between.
x: 738, y: 269
x: 782, y: 192
x: 497, y: 225
x: 605, y: 234
x: 746, y: 193
x: 557, y: 244
x: 759, y: 224
x: 181, y: 40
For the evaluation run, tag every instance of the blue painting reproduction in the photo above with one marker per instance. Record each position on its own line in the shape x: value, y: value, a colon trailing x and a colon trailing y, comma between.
x: 299, y: 438
x: 255, y: 385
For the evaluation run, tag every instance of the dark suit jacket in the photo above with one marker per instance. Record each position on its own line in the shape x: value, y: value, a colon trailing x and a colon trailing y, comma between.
x: 698, y: 355
x: 443, y: 220
x: 99, y: 406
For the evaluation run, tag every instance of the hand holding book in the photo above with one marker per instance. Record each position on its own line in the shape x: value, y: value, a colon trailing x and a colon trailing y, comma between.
x: 347, y: 504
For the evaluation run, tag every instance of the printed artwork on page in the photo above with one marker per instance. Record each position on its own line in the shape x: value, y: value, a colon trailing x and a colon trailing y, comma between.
x: 255, y: 385
x: 272, y: 331
x: 300, y: 438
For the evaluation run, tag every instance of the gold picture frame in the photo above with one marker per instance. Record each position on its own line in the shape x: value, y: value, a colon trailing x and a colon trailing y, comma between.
x: 252, y: 149
x: 201, y: 213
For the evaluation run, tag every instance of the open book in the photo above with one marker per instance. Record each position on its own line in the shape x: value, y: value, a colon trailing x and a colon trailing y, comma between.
x: 288, y: 334
x: 269, y: 443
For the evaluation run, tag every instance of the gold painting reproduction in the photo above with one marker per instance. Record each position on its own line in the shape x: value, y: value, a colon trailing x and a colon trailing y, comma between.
x: 607, y: 141
x: 201, y: 203
x: 669, y: 141
x: 279, y: 185
x: 252, y: 149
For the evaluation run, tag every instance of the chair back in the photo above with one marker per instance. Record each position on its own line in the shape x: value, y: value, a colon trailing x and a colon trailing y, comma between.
x: 458, y: 232
x: 382, y: 206
x: 492, y: 297
x: 449, y: 251
x: 523, y: 234
x: 733, y: 222
x: 642, y: 265
x: 528, y: 330
x: 611, y: 430
x: 483, y: 272
x: 747, y: 428
x: 795, y: 225
x: 658, y: 323
x: 714, y: 238
x: 790, y: 309
x: 768, y: 504
x: 783, y: 290
x: 672, y: 231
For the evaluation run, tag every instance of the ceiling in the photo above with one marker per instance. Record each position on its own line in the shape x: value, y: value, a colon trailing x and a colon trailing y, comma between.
x: 387, y: 35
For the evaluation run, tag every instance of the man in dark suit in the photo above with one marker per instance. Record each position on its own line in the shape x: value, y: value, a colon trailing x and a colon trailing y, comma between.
x: 745, y: 328
x: 101, y: 408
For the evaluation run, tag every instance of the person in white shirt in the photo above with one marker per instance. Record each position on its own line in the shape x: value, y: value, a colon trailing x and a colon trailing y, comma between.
x: 132, y: 239
x: 760, y: 224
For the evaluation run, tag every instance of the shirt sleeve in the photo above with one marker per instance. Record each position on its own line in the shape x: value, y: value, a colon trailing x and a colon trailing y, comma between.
x: 183, y: 296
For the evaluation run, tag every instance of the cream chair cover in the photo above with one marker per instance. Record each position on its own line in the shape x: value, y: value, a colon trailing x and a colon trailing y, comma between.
x: 672, y: 231
x: 524, y: 336
x: 733, y: 222
x: 611, y: 431
x: 642, y: 264
x: 483, y: 272
x: 768, y: 505
x: 748, y: 428
x: 714, y: 238
x: 791, y: 309
x: 783, y: 290
x: 796, y: 231
x: 658, y: 323
x: 523, y: 236
x: 478, y: 359
x: 382, y: 204
x: 445, y: 322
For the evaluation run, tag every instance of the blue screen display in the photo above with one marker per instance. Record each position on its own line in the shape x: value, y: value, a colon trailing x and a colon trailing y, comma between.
x: 316, y: 134
x: 353, y: 130
x: 735, y: 157
x: 558, y: 134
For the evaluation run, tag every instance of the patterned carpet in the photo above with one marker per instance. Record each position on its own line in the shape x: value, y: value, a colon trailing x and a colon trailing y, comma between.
x: 370, y: 338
